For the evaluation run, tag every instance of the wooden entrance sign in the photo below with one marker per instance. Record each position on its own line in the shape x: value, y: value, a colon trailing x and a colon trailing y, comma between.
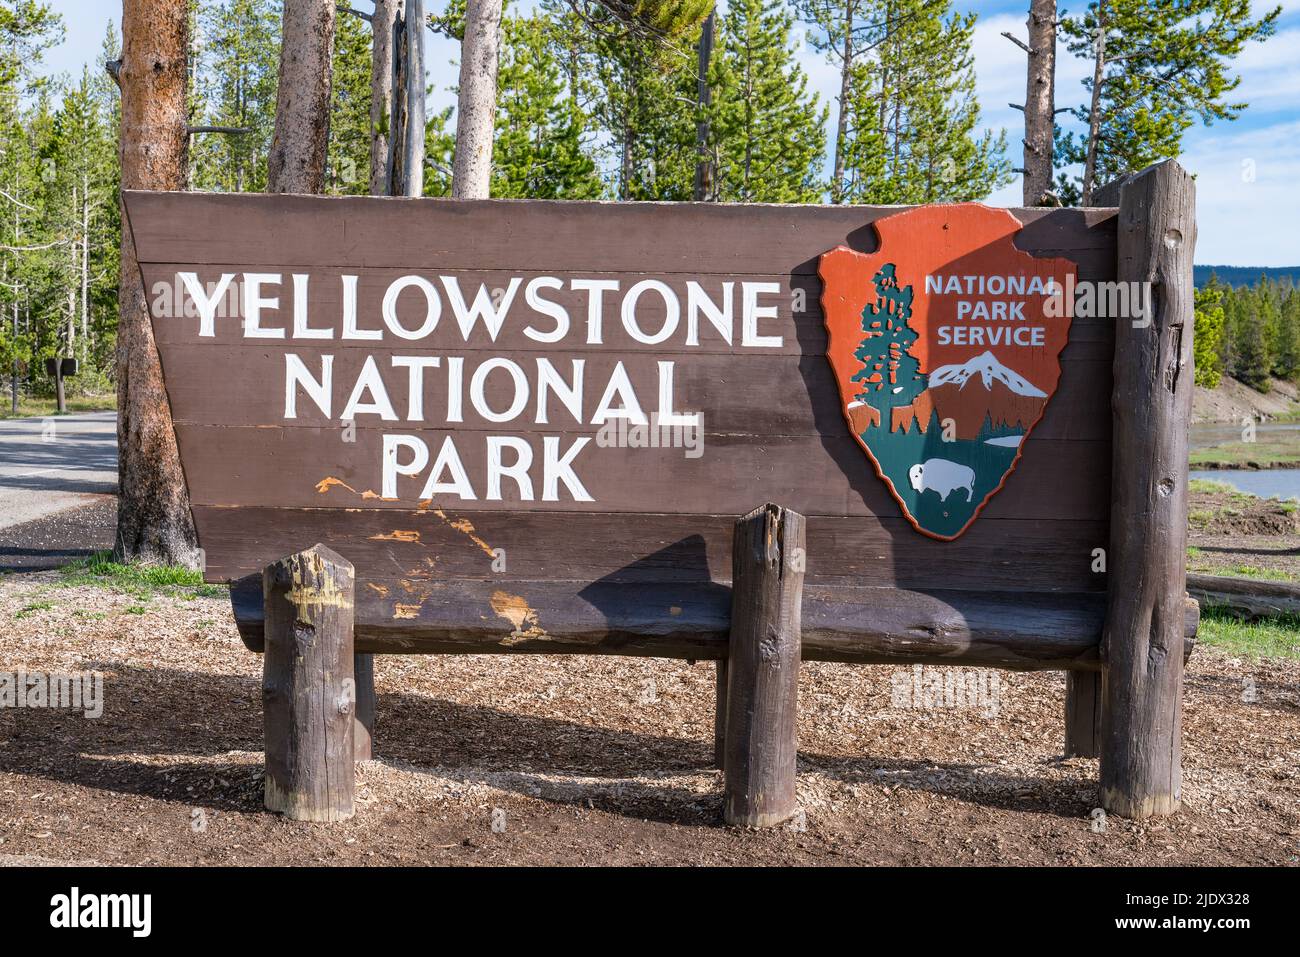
x: 532, y: 426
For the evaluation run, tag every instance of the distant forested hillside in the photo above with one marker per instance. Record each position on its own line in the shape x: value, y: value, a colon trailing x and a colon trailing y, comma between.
x: 1237, y: 276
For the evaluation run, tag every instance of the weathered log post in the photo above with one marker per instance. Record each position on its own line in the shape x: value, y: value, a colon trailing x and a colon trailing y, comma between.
x: 308, y: 690
x: 763, y: 667
x: 363, y: 668
x: 720, y: 717
x: 1083, y: 710
x: 1142, y: 645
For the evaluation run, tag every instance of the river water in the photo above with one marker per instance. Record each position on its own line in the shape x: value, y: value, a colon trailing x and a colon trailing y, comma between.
x: 1267, y: 483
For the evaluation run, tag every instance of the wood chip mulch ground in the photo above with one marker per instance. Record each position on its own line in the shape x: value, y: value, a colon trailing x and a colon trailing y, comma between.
x: 580, y: 760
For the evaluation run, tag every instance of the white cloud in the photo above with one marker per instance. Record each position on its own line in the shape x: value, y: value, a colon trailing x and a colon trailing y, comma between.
x: 1243, y: 220
x: 1270, y: 73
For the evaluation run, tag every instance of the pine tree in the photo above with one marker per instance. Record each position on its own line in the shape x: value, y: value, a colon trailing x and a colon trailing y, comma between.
x: 27, y: 29
x: 538, y: 151
x: 918, y: 92
x: 1286, y: 360
x: 1158, y: 66
x: 1251, y: 361
x: 890, y: 376
x: 846, y: 31
x: 234, y: 84
x: 348, y: 162
x: 765, y: 128
x: 1209, y: 331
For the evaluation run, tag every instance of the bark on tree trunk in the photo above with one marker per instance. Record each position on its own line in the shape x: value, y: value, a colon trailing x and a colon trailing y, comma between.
x: 703, y: 97
x: 477, y: 100
x: 1094, y: 110
x: 296, y: 163
x: 407, y: 147
x: 1040, y: 102
x: 842, y: 122
x: 381, y: 92
x: 153, y: 509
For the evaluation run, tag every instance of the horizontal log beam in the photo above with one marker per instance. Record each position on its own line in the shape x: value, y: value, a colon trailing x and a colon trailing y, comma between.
x: 1021, y: 631
x: 1250, y: 598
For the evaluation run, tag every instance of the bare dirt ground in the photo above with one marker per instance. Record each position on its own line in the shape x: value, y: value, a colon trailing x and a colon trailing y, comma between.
x: 1229, y: 531
x: 1232, y: 402
x: 594, y: 760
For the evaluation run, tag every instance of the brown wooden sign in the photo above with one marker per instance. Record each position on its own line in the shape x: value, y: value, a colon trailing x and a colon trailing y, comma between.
x: 531, y: 426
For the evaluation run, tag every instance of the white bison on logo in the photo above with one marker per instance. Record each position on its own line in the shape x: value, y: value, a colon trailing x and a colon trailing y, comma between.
x: 944, y: 477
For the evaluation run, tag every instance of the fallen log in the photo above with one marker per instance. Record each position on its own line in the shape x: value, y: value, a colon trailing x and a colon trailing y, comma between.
x: 1249, y: 598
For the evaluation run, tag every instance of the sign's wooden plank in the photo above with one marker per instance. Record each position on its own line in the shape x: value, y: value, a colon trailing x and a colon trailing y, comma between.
x: 630, y: 237
x: 818, y: 475
x: 794, y: 301
x: 415, y: 546
x: 737, y: 391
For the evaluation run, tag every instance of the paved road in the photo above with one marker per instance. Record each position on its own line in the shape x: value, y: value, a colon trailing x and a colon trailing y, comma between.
x: 57, y: 478
x: 49, y: 464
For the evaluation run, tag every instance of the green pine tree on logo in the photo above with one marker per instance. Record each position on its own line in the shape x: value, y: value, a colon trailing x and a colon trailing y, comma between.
x: 890, y: 376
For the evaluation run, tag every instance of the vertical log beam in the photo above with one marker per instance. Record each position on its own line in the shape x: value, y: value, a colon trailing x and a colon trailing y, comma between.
x: 720, y: 717
x: 363, y: 668
x: 1083, y: 712
x: 763, y: 667
x: 1142, y: 647
x: 308, y: 694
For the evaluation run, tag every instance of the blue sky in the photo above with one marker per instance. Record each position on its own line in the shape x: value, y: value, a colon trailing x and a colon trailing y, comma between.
x: 1248, y: 172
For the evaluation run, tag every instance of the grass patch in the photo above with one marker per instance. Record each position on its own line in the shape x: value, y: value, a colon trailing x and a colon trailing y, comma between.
x: 28, y: 610
x: 1281, y: 450
x: 1238, y: 571
x: 1209, y: 487
x: 1268, y: 638
x: 35, y: 407
x: 142, y: 581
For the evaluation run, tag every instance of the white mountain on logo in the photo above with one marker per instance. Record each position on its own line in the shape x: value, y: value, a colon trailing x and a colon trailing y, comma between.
x: 990, y: 370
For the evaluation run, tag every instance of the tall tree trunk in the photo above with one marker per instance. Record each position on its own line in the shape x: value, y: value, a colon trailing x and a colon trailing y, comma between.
x: 407, y: 119
x: 842, y: 122
x: 477, y: 101
x: 85, y: 261
x: 703, y: 97
x: 1040, y: 103
x: 153, y: 509
x: 1094, y: 110
x: 381, y: 92
x: 302, y: 102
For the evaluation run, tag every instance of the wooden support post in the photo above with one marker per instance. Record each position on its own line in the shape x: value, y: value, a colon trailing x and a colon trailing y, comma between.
x: 308, y: 695
x: 363, y: 667
x: 1083, y: 711
x: 1142, y: 645
x: 720, y: 716
x: 763, y: 667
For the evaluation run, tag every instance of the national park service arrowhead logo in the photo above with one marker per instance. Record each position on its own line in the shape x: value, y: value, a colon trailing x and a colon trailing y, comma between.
x: 945, y: 345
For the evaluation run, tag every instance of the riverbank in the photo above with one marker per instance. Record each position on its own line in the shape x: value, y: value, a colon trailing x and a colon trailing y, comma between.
x: 1252, y: 431
x: 1239, y: 535
x: 1234, y: 402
